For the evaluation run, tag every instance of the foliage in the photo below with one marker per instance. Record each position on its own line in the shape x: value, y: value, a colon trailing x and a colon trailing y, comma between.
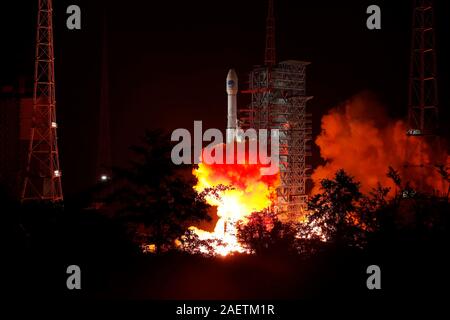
x: 155, y: 198
x: 191, y: 243
x: 264, y: 234
x: 343, y: 214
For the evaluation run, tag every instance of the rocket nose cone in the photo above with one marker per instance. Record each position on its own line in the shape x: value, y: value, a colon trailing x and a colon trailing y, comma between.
x: 232, y: 74
x: 232, y: 82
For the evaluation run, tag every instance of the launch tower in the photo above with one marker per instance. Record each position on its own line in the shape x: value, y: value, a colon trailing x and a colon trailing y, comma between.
x: 278, y: 101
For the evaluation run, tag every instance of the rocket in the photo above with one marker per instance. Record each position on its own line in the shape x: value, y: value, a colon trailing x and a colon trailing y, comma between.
x: 232, y: 90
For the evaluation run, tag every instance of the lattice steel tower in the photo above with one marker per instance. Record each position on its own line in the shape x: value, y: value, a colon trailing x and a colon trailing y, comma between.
x: 270, y: 53
x: 43, y: 175
x: 423, y: 148
x: 278, y: 101
x: 423, y: 97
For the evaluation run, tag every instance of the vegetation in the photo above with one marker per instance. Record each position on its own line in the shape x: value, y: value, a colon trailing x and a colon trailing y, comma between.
x: 153, y: 202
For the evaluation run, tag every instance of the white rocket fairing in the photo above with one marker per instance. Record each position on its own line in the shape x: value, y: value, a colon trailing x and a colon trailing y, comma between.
x: 232, y: 90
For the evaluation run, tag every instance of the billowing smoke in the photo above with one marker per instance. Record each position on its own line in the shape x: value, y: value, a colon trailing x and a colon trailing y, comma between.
x: 360, y: 138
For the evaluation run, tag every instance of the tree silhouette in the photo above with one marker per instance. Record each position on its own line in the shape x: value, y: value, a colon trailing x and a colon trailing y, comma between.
x: 265, y: 234
x: 340, y: 210
x: 443, y: 171
x: 192, y: 244
x: 156, y: 198
x: 395, y: 177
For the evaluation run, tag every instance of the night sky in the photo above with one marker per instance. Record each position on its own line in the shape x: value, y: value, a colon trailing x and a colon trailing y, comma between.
x: 168, y: 61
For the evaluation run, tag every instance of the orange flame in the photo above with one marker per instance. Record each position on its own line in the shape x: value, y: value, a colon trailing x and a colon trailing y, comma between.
x: 248, y: 191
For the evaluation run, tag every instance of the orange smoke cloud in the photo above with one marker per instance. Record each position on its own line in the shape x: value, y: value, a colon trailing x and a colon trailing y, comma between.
x: 359, y: 138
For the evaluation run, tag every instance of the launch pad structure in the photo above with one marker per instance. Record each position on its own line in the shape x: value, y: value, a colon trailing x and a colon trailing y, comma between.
x: 278, y: 101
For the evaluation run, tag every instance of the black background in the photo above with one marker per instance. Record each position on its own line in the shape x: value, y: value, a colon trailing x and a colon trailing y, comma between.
x: 168, y: 62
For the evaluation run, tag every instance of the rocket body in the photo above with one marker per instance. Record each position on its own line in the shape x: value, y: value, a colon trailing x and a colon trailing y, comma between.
x: 232, y: 90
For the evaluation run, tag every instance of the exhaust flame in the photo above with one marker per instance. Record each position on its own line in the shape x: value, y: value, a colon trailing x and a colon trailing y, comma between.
x: 360, y: 138
x: 246, y: 191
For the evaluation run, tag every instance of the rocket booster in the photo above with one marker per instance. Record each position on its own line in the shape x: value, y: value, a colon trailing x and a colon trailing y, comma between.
x: 232, y: 90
